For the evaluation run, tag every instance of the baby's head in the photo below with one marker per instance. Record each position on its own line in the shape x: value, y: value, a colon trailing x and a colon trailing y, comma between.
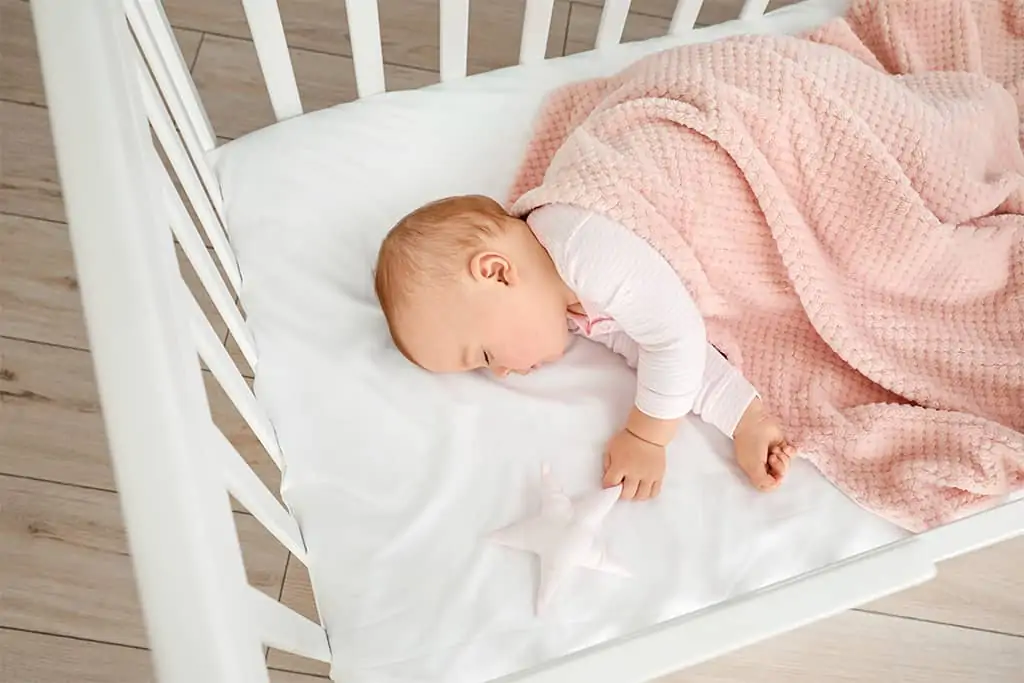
x: 464, y: 285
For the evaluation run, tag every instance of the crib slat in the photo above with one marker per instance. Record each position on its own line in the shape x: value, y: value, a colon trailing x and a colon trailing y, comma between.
x: 685, y: 16
x: 367, y: 55
x: 536, y: 27
x: 244, y: 485
x: 196, y: 148
x: 186, y: 174
x: 454, y: 38
x: 153, y: 31
x: 264, y: 19
x: 752, y: 9
x: 217, y: 359
x: 206, y: 269
x: 285, y: 629
x: 613, y: 20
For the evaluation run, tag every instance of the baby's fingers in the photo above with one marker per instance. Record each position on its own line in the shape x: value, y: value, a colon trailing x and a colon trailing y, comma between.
x: 757, y: 472
x: 613, y: 476
x: 629, y: 488
x: 785, y: 449
x: 778, y: 465
x: 643, y: 490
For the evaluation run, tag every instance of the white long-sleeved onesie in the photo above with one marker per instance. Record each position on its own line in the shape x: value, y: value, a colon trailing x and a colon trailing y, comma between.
x: 636, y: 305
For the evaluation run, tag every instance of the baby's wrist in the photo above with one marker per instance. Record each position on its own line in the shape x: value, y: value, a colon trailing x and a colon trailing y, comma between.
x: 751, y: 417
x: 653, y: 430
x: 646, y: 440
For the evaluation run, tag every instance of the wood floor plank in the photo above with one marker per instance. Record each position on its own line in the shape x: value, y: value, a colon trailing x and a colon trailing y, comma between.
x: 44, y: 658
x: 39, y: 296
x: 28, y: 169
x: 43, y: 387
x: 983, y: 589
x: 52, y: 425
x: 230, y: 83
x: 20, y: 75
x: 855, y: 646
x: 292, y: 677
x: 64, y: 567
x: 298, y: 594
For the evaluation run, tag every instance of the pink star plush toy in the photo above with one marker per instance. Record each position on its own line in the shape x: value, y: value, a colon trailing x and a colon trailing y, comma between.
x: 564, y: 535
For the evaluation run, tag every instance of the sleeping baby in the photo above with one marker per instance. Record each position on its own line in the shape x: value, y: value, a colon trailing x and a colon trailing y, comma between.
x: 464, y: 286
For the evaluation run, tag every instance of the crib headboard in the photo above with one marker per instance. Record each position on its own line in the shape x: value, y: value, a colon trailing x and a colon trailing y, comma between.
x: 132, y: 138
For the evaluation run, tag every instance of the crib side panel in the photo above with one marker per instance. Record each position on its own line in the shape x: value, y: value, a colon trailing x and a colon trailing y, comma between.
x: 179, y: 525
x: 137, y: 193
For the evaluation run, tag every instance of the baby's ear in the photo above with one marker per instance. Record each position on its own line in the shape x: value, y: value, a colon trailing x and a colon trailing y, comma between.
x: 490, y: 265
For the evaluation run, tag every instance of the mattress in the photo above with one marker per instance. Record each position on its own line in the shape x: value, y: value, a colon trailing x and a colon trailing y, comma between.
x: 396, y: 476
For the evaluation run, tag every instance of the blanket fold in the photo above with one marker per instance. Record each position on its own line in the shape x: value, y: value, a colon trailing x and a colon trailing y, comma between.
x: 847, y: 209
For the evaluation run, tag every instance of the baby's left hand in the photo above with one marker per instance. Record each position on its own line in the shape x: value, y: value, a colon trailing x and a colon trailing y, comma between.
x: 636, y: 464
x: 762, y: 450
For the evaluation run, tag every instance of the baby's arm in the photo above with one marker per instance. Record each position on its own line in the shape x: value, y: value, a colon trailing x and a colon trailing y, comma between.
x: 662, y: 333
x: 664, y: 339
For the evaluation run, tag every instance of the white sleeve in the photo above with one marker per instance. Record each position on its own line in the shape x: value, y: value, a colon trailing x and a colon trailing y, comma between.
x: 663, y: 335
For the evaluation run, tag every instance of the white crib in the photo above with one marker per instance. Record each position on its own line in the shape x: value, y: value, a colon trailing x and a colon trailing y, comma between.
x: 113, y: 73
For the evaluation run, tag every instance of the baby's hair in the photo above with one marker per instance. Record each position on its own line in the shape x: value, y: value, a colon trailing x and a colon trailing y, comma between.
x: 431, y: 246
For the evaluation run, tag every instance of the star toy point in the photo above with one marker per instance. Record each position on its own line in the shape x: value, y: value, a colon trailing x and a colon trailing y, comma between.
x: 564, y: 535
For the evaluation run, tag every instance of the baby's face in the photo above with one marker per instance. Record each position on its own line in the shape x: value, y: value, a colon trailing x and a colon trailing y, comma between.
x: 465, y: 327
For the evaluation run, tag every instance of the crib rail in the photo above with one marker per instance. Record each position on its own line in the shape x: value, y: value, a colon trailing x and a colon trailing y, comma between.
x: 120, y: 95
x: 180, y: 527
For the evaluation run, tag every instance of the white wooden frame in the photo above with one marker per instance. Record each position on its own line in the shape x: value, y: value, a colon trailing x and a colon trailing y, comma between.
x: 115, y: 79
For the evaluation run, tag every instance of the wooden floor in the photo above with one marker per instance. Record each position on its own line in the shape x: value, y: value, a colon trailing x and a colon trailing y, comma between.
x: 68, y: 609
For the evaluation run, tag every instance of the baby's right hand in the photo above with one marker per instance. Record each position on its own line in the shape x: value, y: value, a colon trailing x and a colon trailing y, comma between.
x: 636, y: 464
x: 761, y: 448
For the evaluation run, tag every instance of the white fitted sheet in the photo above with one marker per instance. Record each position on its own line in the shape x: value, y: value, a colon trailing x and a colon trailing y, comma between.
x: 395, y: 475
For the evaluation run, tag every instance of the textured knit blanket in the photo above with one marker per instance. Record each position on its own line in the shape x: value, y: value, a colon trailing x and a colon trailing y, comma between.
x: 847, y: 209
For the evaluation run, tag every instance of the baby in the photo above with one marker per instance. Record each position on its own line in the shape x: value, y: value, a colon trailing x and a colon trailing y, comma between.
x: 464, y: 285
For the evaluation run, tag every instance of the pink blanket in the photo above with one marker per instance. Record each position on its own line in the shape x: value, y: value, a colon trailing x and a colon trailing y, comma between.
x: 847, y: 209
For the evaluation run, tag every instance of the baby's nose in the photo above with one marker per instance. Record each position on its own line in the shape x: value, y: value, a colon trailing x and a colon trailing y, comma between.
x: 500, y: 372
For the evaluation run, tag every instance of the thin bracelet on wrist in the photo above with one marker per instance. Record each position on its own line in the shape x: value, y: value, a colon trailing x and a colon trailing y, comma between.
x: 653, y: 443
